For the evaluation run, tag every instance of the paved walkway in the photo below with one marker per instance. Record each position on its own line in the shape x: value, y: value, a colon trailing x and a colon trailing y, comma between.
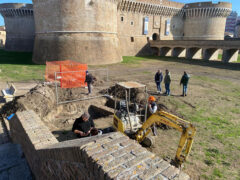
x: 22, y: 88
x: 13, y: 165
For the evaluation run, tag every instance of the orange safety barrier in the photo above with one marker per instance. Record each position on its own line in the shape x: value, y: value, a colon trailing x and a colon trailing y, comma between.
x: 70, y: 74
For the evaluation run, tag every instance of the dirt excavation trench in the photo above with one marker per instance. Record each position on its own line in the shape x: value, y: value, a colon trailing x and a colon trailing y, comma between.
x: 60, y: 118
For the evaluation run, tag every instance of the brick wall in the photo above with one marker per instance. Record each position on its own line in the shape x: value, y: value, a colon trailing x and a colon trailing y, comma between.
x: 110, y: 156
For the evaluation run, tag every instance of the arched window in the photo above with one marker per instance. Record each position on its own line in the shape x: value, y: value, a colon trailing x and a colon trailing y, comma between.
x: 155, y: 36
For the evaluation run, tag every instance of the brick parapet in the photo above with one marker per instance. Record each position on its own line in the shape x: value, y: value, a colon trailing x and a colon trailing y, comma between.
x: 150, y: 8
x: 111, y: 156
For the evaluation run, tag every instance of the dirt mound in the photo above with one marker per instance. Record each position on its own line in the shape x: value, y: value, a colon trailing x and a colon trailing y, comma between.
x: 11, y: 107
x: 120, y: 92
x: 42, y: 100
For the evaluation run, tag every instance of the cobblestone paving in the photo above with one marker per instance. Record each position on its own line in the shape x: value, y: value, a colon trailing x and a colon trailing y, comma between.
x: 13, y: 165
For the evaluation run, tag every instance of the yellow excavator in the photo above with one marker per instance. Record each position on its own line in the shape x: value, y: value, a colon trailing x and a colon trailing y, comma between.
x: 129, y: 120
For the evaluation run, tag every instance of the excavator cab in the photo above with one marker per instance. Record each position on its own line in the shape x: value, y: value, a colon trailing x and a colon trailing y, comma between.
x: 130, y: 118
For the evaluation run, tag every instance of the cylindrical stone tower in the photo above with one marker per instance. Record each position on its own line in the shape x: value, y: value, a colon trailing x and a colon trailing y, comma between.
x: 237, y: 31
x: 205, y: 20
x: 80, y: 30
x: 19, y: 23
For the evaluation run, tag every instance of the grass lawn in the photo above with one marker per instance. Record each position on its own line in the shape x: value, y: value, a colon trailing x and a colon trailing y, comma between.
x: 18, y: 66
x: 212, y: 105
x: 238, y: 60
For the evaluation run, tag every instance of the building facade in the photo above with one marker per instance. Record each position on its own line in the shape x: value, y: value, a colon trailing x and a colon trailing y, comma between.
x: 102, y: 31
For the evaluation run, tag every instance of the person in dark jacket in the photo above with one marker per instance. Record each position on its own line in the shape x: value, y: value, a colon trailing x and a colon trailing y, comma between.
x: 89, y: 80
x: 184, y: 82
x: 84, y: 126
x: 167, y: 81
x: 158, y: 80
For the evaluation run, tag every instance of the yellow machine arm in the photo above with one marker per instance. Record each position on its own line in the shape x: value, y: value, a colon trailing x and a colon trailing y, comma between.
x: 186, y: 128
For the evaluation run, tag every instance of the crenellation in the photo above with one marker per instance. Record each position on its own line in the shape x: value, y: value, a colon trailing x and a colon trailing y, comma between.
x: 19, y: 22
x: 112, y: 28
x: 148, y: 8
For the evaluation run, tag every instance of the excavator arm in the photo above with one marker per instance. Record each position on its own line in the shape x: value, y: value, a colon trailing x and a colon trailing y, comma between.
x: 186, y: 128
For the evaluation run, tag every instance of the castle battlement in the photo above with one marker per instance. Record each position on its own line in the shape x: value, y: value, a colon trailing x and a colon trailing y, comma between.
x: 19, y: 22
x: 208, y: 5
x: 149, y: 8
x: 102, y: 31
x: 208, y: 9
x: 16, y: 9
x: 207, y: 12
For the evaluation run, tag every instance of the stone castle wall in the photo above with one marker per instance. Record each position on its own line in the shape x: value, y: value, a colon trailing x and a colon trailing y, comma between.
x: 110, y: 156
x: 131, y: 17
x: 84, y: 31
x: 102, y: 31
x: 206, y: 20
x: 19, y: 23
x: 2, y: 37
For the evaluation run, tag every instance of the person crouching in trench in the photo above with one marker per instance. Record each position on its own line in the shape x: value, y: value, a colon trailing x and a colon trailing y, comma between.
x: 84, y: 126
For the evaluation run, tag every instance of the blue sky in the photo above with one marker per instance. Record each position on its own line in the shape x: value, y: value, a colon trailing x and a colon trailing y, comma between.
x: 236, y: 4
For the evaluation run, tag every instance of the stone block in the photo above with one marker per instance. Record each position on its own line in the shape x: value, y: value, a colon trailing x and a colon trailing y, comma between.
x: 154, y: 170
x: 170, y: 172
x: 139, y: 159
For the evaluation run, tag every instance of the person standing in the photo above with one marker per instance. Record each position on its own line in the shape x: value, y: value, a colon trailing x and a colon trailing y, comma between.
x: 167, y: 82
x: 184, y: 82
x: 152, y: 107
x: 89, y: 80
x: 158, y: 80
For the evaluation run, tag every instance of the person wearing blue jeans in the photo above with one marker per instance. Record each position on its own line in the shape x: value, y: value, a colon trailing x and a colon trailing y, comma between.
x: 167, y: 82
x: 158, y: 80
x: 167, y: 87
x: 184, y: 82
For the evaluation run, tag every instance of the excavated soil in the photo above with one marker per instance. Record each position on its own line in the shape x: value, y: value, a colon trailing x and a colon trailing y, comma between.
x: 59, y: 118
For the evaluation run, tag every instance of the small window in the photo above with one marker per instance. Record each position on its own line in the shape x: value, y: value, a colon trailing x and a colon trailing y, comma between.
x: 132, y: 39
x: 131, y: 23
x: 121, y: 18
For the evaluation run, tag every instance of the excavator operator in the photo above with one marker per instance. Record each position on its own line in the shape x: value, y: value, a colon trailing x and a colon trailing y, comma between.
x: 152, y: 107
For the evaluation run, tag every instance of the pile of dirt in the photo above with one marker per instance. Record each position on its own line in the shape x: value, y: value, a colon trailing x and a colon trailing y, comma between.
x: 137, y: 95
x: 39, y: 99
x: 42, y: 100
x: 11, y: 107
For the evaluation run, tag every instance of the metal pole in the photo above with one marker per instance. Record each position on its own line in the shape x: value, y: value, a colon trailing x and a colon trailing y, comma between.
x: 129, y: 120
x: 56, y: 87
x: 83, y: 99
x: 115, y: 100
x: 129, y: 97
x: 146, y: 107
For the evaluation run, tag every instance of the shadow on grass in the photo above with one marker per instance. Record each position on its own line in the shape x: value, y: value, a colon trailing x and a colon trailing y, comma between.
x: 200, y: 62
x: 17, y: 58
